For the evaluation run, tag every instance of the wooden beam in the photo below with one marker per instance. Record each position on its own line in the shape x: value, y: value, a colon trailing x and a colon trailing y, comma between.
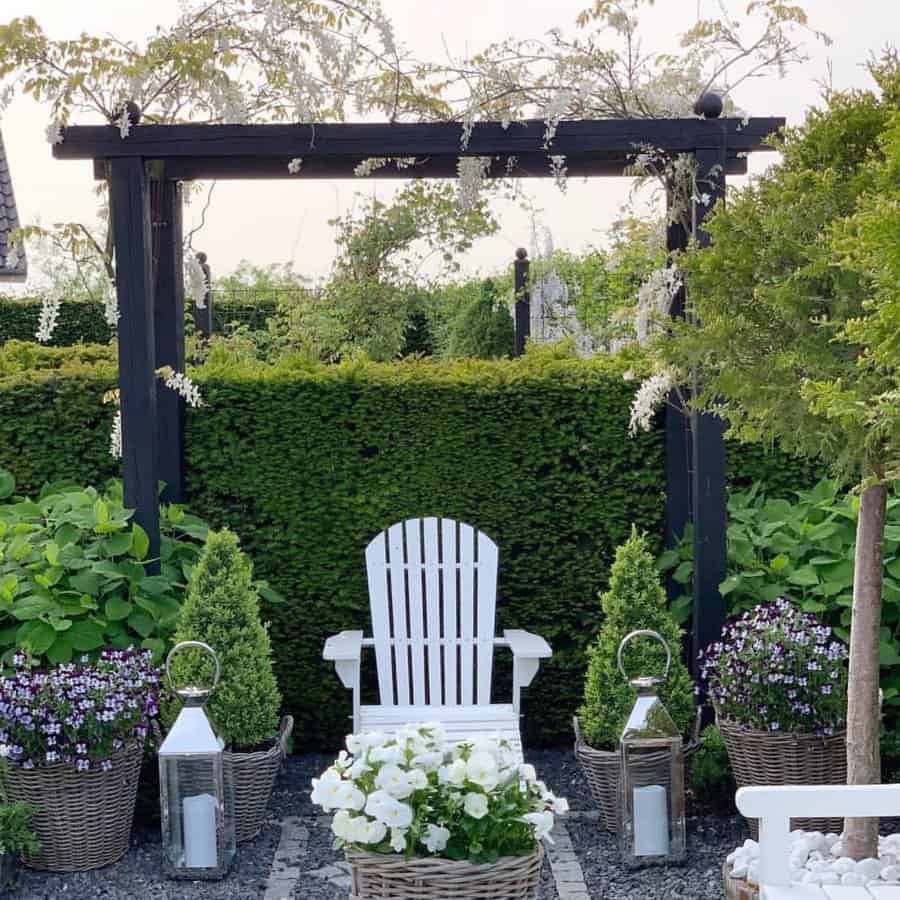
x: 255, y: 144
x: 168, y: 315
x: 130, y: 210
x: 708, y: 490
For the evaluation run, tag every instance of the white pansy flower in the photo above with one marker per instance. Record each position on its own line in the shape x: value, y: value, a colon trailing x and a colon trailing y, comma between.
x: 475, y: 805
x: 527, y: 771
x: 455, y: 773
x: 435, y: 838
x: 542, y: 822
x: 398, y: 840
x: 429, y: 761
x: 417, y: 779
x: 481, y: 769
x: 341, y: 824
x: 391, y: 754
x: 395, y: 814
x: 359, y: 767
x: 394, y: 781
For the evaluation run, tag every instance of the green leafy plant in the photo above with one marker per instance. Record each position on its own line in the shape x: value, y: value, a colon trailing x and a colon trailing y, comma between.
x: 222, y: 610
x: 16, y: 835
x: 483, y: 328
x: 710, y: 769
x: 802, y: 548
x: 635, y: 600
x: 75, y: 576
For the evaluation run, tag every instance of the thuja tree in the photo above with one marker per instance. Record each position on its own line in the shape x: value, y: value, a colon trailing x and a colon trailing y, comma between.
x: 792, y: 337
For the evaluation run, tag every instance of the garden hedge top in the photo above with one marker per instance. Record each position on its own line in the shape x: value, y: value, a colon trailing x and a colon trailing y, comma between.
x: 432, y: 595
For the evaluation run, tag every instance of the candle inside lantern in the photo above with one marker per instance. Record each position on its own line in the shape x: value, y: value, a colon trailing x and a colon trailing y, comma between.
x: 651, y: 825
x: 200, y: 831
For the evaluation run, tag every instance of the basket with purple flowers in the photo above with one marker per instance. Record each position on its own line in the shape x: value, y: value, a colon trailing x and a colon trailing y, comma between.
x: 74, y: 737
x: 778, y: 681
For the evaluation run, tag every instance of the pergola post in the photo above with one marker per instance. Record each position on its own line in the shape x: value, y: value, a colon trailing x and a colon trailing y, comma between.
x: 130, y: 209
x: 521, y: 267
x: 168, y: 314
x: 708, y: 494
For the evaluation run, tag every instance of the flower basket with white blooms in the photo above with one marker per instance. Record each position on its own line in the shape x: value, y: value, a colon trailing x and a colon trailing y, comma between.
x: 421, y: 818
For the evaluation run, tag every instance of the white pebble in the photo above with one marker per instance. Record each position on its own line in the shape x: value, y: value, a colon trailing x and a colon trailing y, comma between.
x: 837, y: 849
x: 869, y: 868
x: 843, y: 865
x: 853, y: 879
x: 890, y: 873
x: 831, y: 839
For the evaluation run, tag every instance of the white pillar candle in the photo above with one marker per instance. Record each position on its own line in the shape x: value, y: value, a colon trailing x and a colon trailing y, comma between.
x: 651, y: 821
x: 200, y: 832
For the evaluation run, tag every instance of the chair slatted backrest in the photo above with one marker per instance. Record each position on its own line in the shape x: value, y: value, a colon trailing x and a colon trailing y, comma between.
x: 433, y: 597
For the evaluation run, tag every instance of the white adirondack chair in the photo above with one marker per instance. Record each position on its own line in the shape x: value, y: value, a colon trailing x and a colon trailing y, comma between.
x: 432, y: 595
x: 774, y: 806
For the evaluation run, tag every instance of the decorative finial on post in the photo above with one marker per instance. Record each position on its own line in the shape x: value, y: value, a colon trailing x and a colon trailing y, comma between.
x: 709, y: 106
x: 521, y: 253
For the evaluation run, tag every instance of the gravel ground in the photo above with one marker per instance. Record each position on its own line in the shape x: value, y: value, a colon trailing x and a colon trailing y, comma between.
x: 138, y: 875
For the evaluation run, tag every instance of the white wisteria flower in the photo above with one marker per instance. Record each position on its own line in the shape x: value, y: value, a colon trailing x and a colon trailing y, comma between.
x: 47, y: 319
x: 115, y: 436
x: 197, y: 284
x: 124, y: 123
x: 295, y: 165
x: 368, y: 166
x: 471, y: 171
x: 559, y: 170
x: 649, y: 397
x: 182, y: 385
x: 53, y: 132
x: 416, y: 792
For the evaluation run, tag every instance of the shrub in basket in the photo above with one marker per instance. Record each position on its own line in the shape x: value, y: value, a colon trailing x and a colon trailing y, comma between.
x: 73, y: 738
x: 635, y: 599
x: 778, y: 682
x: 16, y: 835
x: 421, y: 818
x: 222, y: 610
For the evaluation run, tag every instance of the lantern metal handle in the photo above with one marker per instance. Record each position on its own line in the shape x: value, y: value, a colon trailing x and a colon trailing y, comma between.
x: 192, y: 693
x: 644, y: 632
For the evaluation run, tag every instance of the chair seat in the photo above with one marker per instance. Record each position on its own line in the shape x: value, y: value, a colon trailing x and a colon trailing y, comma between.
x: 460, y: 722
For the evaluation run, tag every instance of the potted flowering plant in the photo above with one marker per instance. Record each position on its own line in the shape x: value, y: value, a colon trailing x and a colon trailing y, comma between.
x: 420, y: 817
x: 778, y: 682
x: 73, y: 738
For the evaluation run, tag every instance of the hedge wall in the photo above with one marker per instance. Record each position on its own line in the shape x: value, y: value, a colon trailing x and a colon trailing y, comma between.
x: 308, y: 464
x: 82, y: 321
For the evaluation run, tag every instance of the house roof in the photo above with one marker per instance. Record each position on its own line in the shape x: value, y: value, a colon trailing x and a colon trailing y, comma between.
x: 9, y: 222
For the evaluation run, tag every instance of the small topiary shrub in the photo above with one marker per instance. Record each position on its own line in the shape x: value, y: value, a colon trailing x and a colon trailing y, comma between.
x: 635, y: 599
x: 711, y: 777
x: 222, y: 610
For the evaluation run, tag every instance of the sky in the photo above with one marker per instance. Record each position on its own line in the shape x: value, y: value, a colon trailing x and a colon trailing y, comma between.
x: 281, y: 221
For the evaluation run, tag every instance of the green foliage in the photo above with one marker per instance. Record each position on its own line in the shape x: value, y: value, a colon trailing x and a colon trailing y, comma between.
x: 308, y: 462
x: 79, y: 321
x: 710, y: 770
x: 16, y: 835
x: 635, y: 599
x: 74, y: 574
x: 222, y: 610
x: 773, y: 349
x: 484, y: 328
x: 804, y: 549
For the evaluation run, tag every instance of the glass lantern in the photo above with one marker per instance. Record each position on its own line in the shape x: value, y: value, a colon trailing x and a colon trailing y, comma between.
x: 196, y: 792
x: 651, y: 776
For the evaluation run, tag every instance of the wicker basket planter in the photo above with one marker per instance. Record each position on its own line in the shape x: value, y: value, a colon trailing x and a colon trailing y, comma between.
x: 374, y: 876
x: 82, y: 819
x: 766, y: 757
x: 254, y: 775
x: 738, y: 888
x: 601, y: 770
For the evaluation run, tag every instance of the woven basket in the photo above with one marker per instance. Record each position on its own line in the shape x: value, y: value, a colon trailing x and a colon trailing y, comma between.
x: 82, y: 819
x: 737, y: 888
x: 772, y: 758
x: 601, y: 770
x: 253, y: 776
x: 375, y: 876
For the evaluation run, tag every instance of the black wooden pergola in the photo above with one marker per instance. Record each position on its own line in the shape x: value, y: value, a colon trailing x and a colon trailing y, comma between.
x: 154, y: 160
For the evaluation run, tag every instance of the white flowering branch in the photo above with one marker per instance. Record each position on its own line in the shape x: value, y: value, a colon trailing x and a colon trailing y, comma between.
x: 471, y: 171
x: 182, y: 385
x: 649, y: 398
x: 47, y: 319
x: 197, y: 284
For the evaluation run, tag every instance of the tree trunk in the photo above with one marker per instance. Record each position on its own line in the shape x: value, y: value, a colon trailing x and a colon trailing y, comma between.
x: 863, y: 718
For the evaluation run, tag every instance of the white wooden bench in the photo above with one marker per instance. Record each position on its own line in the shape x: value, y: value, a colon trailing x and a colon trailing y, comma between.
x: 774, y: 806
x: 432, y: 595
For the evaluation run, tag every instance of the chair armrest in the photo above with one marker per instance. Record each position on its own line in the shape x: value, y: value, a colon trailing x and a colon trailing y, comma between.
x: 526, y: 645
x: 820, y: 801
x: 344, y: 646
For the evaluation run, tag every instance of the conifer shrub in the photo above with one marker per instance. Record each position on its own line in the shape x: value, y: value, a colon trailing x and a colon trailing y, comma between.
x: 222, y: 610
x: 635, y: 599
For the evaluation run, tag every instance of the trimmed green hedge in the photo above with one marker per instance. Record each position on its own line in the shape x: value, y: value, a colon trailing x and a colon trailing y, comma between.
x: 79, y: 321
x: 307, y: 464
x: 82, y: 321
